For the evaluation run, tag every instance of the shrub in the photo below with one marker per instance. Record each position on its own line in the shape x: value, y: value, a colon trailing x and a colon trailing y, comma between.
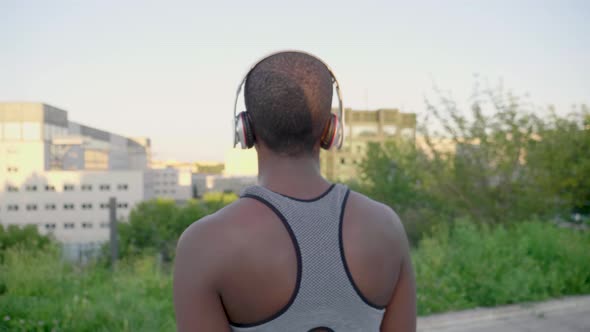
x: 469, y: 265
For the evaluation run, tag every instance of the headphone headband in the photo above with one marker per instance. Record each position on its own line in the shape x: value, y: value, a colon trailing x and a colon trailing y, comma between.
x: 341, y: 113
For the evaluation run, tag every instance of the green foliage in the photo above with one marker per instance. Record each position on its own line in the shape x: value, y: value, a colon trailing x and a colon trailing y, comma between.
x: 391, y: 174
x: 457, y: 267
x: 45, y: 294
x: 469, y: 265
x: 22, y: 236
x: 154, y: 226
x: 497, y: 163
x: 216, y: 200
x: 560, y: 162
x: 27, y: 236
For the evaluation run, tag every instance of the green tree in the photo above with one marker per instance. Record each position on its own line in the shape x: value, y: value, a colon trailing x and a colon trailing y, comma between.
x: 27, y: 237
x: 393, y: 173
x: 485, y: 177
x: 559, y: 161
x: 154, y: 226
x: 507, y: 164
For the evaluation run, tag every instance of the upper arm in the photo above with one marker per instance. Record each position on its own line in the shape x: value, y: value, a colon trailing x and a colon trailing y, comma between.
x: 197, y: 302
x: 400, y: 314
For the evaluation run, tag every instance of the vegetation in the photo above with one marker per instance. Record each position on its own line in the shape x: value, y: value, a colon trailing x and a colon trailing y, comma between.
x: 494, y: 165
x: 459, y: 267
x: 154, y: 226
x: 485, y: 218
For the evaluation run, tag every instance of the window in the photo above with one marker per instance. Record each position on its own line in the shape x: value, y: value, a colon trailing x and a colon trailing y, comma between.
x: 49, y: 206
x: 12, y: 130
x: 390, y: 130
x: 68, y: 206
x: 31, y: 131
x: 68, y: 187
x: 49, y: 188
x: 86, y: 225
x: 12, y: 169
x: 105, y: 187
x: 122, y: 205
x: 122, y: 186
x: 31, y: 207
x: 86, y: 206
x: 104, y: 225
x: 342, y: 161
x: 407, y: 133
x: 86, y: 187
x: 104, y: 205
x: 50, y: 226
x: 11, y: 188
x: 12, y: 207
x: 69, y: 225
x: 31, y: 187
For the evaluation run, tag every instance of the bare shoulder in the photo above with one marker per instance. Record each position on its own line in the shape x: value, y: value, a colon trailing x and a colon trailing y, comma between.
x: 225, y: 241
x: 216, y: 224
x: 211, y: 242
x: 380, y: 216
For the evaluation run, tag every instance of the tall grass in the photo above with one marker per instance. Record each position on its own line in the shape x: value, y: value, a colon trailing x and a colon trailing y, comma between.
x: 468, y: 266
x: 44, y: 294
x: 457, y: 267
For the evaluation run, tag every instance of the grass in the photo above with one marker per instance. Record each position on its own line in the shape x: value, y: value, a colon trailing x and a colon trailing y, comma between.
x: 458, y: 267
x: 468, y: 266
x: 43, y: 294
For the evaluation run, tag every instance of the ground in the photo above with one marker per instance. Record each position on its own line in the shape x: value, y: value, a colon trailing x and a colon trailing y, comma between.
x: 564, y: 315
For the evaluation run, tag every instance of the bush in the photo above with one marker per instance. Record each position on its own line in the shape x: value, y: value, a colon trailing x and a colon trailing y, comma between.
x: 468, y: 265
x: 154, y: 226
x: 45, y: 294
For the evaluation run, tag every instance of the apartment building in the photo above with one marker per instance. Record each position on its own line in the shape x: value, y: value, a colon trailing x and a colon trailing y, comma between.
x: 58, y: 175
x: 362, y: 128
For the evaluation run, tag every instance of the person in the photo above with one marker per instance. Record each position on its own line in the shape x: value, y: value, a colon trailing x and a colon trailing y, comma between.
x: 295, y: 252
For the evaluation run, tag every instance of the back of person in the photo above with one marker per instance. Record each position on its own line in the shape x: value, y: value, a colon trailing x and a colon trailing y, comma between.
x: 295, y: 253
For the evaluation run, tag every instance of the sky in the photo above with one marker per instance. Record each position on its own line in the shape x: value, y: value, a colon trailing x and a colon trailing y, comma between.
x: 169, y: 69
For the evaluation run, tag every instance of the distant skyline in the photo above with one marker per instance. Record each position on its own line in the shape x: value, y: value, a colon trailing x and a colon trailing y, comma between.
x: 169, y: 70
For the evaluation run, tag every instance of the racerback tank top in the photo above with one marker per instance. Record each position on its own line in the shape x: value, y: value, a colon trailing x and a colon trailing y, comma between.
x: 325, y: 296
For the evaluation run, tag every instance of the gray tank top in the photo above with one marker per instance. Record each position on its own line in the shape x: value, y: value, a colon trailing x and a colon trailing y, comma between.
x: 325, y: 296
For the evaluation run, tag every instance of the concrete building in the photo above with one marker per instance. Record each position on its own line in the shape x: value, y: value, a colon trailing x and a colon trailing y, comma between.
x: 59, y: 175
x: 172, y: 180
x: 362, y: 128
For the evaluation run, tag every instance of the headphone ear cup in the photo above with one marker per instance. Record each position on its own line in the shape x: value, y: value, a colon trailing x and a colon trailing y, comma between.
x: 248, y: 131
x: 244, y: 133
x: 329, y: 134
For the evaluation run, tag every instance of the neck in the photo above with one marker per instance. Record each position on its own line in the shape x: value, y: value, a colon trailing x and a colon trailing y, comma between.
x: 293, y: 176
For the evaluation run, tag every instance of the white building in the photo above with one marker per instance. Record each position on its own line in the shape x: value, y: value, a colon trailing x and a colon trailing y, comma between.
x: 59, y: 175
x: 172, y: 182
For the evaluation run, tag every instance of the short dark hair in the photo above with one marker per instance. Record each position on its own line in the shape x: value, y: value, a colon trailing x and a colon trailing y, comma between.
x: 288, y: 97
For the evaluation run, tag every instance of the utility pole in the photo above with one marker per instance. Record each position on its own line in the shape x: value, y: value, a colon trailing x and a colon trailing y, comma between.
x: 113, y: 238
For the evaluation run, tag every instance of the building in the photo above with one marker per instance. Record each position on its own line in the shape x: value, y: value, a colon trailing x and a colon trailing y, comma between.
x: 172, y: 180
x: 59, y: 175
x: 362, y: 128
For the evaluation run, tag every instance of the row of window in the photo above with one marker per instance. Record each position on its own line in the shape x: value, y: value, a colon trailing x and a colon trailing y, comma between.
x: 171, y: 174
x: 71, y: 225
x: 164, y: 183
x: 164, y: 191
x: 66, y: 206
x: 69, y: 187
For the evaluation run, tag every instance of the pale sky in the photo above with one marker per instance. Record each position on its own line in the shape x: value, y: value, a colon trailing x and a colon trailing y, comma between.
x: 169, y: 69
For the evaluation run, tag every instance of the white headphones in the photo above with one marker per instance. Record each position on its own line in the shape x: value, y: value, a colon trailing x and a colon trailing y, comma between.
x: 332, y: 136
